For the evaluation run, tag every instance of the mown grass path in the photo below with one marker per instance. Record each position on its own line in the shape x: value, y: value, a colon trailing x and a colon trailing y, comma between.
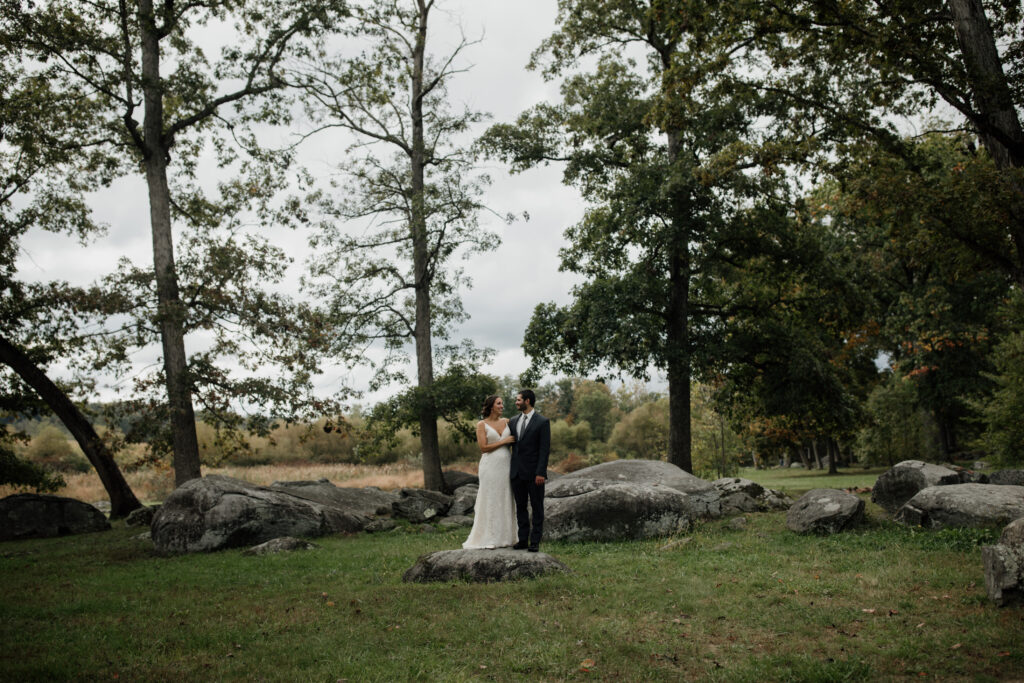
x: 755, y: 604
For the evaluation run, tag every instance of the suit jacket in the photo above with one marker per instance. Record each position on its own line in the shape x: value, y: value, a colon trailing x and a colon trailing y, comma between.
x: 531, y: 449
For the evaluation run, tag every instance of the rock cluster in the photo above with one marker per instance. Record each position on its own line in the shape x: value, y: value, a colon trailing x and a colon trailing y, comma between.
x: 902, y: 482
x: 217, y: 512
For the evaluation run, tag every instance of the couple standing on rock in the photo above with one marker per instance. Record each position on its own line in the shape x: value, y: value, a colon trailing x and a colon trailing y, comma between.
x: 513, y: 469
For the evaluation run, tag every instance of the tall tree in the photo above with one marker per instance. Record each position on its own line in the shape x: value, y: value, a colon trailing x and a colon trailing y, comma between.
x: 662, y: 156
x: 391, y: 284
x: 140, y: 58
x: 49, y: 159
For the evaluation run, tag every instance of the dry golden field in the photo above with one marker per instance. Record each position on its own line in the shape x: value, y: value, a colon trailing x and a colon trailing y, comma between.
x: 152, y: 485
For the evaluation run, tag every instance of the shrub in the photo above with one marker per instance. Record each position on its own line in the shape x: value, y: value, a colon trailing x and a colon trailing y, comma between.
x: 643, y: 433
x: 52, y: 449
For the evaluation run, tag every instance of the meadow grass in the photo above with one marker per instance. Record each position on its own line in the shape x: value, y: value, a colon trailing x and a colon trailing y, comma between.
x: 760, y: 603
x: 797, y: 482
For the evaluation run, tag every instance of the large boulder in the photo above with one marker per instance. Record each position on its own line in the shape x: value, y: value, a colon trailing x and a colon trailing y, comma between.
x: 463, y: 499
x: 704, y: 497
x: 963, y: 505
x: 217, y: 512
x: 420, y: 505
x: 1004, y: 566
x: 368, y: 501
x: 903, y: 480
x: 825, y: 511
x: 454, y: 479
x: 33, y: 515
x: 483, y: 566
x: 578, y: 509
x: 1007, y: 478
x: 142, y: 516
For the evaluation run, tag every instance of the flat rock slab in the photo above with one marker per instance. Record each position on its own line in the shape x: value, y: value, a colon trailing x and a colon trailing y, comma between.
x: 578, y: 509
x: 285, y: 544
x: 482, y: 566
x: 825, y: 511
x: 1007, y: 478
x: 368, y: 501
x: 33, y: 515
x: 963, y: 505
x: 705, y: 498
x: 904, y: 479
x: 217, y: 512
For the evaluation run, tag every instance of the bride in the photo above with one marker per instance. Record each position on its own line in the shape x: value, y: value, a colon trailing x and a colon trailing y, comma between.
x: 494, y: 524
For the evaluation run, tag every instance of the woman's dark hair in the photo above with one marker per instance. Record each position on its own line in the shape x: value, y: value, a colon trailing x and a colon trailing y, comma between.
x: 489, y: 405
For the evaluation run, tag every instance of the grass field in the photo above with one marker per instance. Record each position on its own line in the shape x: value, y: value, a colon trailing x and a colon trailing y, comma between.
x: 760, y: 603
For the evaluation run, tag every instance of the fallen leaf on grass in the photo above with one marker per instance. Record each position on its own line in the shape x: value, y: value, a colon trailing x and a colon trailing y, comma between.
x: 587, y: 664
x: 867, y: 610
x: 956, y: 647
x: 893, y: 612
x: 483, y: 666
x: 1003, y: 654
x: 920, y: 625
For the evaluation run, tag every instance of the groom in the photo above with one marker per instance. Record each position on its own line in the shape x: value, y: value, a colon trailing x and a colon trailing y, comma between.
x: 529, y: 469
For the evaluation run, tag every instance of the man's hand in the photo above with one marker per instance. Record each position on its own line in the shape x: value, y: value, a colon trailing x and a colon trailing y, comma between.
x: 539, y: 481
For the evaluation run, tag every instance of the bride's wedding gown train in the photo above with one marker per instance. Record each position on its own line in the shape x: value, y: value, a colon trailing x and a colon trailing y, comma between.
x: 494, y: 524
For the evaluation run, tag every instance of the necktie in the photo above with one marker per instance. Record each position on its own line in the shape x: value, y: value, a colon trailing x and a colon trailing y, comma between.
x: 522, y: 425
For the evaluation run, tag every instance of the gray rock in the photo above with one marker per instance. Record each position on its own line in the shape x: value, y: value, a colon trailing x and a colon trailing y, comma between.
x: 825, y: 511
x: 963, y: 505
x: 737, y: 502
x: 796, y: 466
x: 1007, y: 478
x: 142, y: 516
x: 368, y: 501
x: 971, y: 476
x: 774, y: 500
x: 705, y: 498
x: 427, y: 528
x: 145, y: 537
x: 1004, y: 566
x: 738, y: 484
x: 102, y: 505
x: 463, y: 499
x: 481, y: 566
x: 381, y: 524
x: 980, y: 465
x: 285, y: 544
x: 454, y: 479
x: 34, y: 515
x: 418, y: 505
x: 591, y: 510
x: 217, y: 512
x: 455, y: 521
x: 903, y: 480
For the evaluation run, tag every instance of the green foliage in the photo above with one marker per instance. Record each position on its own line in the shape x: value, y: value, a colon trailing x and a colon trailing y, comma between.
x: 643, y: 433
x: 21, y: 473
x: 1001, y: 415
x: 593, y: 403
x: 568, y: 438
x: 899, y: 427
x: 52, y: 448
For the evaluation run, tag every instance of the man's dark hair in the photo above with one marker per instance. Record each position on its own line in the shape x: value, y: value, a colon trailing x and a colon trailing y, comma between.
x: 528, y: 395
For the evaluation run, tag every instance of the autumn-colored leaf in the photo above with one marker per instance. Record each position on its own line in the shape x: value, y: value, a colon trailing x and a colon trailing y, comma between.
x: 587, y: 664
x: 956, y: 647
x: 868, y: 610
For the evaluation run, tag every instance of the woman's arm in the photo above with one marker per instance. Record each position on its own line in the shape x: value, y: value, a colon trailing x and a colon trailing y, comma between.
x: 481, y: 439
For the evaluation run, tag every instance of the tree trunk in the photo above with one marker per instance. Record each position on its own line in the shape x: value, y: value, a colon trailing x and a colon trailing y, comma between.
x: 802, y: 452
x: 833, y: 457
x: 432, y: 477
x: 170, y: 310
x: 817, y: 456
x: 997, y: 120
x: 122, y: 499
x: 787, y: 457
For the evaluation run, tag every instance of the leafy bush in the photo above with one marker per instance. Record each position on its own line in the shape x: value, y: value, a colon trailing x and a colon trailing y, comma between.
x: 899, y: 428
x: 21, y: 473
x: 52, y: 449
x: 643, y: 433
x: 568, y: 438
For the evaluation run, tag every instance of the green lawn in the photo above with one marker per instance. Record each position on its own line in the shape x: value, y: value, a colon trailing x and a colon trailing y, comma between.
x: 756, y: 604
x: 797, y: 482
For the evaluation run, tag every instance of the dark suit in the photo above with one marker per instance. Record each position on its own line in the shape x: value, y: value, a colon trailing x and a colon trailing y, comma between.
x: 529, y: 461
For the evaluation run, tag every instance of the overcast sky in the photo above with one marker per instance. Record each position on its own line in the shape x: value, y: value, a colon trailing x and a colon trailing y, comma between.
x: 508, y: 282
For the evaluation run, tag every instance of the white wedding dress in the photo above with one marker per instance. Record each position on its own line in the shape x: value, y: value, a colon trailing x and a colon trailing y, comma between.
x: 494, y: 524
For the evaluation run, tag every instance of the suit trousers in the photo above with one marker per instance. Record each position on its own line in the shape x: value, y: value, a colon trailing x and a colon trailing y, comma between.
x: 524, y: 490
